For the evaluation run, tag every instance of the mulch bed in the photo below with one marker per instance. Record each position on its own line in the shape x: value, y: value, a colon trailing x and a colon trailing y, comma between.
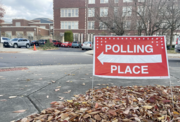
x: 115, y: 104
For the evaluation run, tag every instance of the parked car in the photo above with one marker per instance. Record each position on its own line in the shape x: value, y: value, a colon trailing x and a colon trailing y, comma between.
x: 34, y: 42
x: 17, y: 42
x: 4, y: 39
x: 66, y: 44
x: 57, y: 43
x: 87, y: 45
x: 42, y: 42
x: 76, y: 44
x: 177, y: 46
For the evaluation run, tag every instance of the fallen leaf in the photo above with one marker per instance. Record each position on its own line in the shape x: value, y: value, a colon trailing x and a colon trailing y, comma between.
x: 24, y: 120
x: 57, y: 90
x: 40, y: 78
x: 68, y: 81
x: 47, y: 96
x: 53, y: 81
x: 83, y: 84
x: 12, y: 96
x: 3, y: 100
x: 61, y: 98
x: 68, y: 91
x: 147, y: 107
x: 58, y: 87
x: 1, y: 95
x: 28, y: 80
x: 19, y: 111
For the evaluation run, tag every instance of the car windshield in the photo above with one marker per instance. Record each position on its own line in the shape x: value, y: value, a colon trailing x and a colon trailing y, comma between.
x: 66, y: 42
x: 14, y: 39
x: 75, y: 42
x: 87, y: 42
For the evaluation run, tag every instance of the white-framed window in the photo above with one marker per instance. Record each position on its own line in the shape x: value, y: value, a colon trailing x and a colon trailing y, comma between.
x: 91, y: 12
x: 140, y: 10
x: 104, y: 1
x: 69, y: 12
x: 103, y: 12
x: 127, y: 24
x: 102, y: 26
x: 115, y: 10
x: 116, y: 1
x: 91, y: 1
x: 69, y: 25
x: 51, y: 27
x: 8, y: 34
x: 42, y: 26
x: 140, y: 25
x: 18, y: 24
x: 91, y: 25
x: 127, y: 0
x: 140, y: 0
x: 127, y: 11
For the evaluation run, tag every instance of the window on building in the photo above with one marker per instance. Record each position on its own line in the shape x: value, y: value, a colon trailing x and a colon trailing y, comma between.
x: 91, y: 1
x: 44, y: 27
x: 69, y: 12
x: 91, y: 12
x: 140, y: 0
x: 103, y: 12
x: 127, y: 0
x: 140, y: 25
x: 18, y: 24
x: 104, y: 1
x: 116, y: 1
x: 102, y: 26
x: 127, y: 11
x: 69, y: 24
x: 116, y: 11
x: 140, y: 10
x: 90, y: 24
x: 127, y: 24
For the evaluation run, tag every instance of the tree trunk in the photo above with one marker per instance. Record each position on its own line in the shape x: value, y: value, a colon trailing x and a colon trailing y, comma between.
x: 171, y: 39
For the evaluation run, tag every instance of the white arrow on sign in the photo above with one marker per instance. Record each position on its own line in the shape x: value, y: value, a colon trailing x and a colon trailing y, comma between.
x: 107, y: 58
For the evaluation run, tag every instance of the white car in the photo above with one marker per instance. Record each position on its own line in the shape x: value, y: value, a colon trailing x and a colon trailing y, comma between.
x: 17, y: 42
x: 4, y: 39
x: 177, y: 46
x: 87, y: 45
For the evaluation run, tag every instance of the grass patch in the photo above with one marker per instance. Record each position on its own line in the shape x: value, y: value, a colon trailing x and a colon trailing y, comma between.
x: 172, y: 51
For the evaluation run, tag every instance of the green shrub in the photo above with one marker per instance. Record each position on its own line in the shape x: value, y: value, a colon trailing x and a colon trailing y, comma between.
x: 48, y: 45
x: 68, y: 36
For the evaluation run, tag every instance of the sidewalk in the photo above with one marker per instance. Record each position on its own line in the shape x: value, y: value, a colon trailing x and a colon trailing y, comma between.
x: 90, y: 52
x: 34, y: 88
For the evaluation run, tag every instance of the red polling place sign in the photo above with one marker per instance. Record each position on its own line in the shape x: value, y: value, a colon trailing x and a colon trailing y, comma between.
x: 140, y: 57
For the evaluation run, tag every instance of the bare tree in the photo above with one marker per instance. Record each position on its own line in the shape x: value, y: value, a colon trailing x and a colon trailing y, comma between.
x: 58, y: 36
x: 114, y: 19
x: 149, y: 15
x: 2, y: 13
x: 172, y: 17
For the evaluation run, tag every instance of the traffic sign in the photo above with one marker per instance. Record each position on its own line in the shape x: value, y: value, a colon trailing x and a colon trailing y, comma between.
x: 130, y: 57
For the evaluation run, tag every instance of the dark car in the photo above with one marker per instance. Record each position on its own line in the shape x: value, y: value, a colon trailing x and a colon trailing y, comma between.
x: 76, y: 44
x: 34, y: 42
x: 42, y: 42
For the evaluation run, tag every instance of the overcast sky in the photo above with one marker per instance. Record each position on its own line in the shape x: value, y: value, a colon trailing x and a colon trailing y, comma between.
x: 27, y: 9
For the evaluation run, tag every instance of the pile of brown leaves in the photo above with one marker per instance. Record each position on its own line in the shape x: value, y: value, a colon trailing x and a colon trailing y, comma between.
x: 116, y: 104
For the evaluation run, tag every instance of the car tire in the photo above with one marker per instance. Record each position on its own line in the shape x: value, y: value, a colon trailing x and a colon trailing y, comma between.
x: 82, y: 49
x: 27, y: 45
x: 19, y: 47
x: 15, y: 46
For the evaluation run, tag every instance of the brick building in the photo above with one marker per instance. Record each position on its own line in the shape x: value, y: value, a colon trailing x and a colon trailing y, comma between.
x: 31, y: 29
x: 80, y: 17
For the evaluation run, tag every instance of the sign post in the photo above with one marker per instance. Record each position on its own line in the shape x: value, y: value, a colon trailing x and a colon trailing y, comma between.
x: 130, y: 57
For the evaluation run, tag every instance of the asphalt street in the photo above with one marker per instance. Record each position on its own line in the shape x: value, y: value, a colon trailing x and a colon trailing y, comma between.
x: 53, y: 57
x: 62, y: 56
